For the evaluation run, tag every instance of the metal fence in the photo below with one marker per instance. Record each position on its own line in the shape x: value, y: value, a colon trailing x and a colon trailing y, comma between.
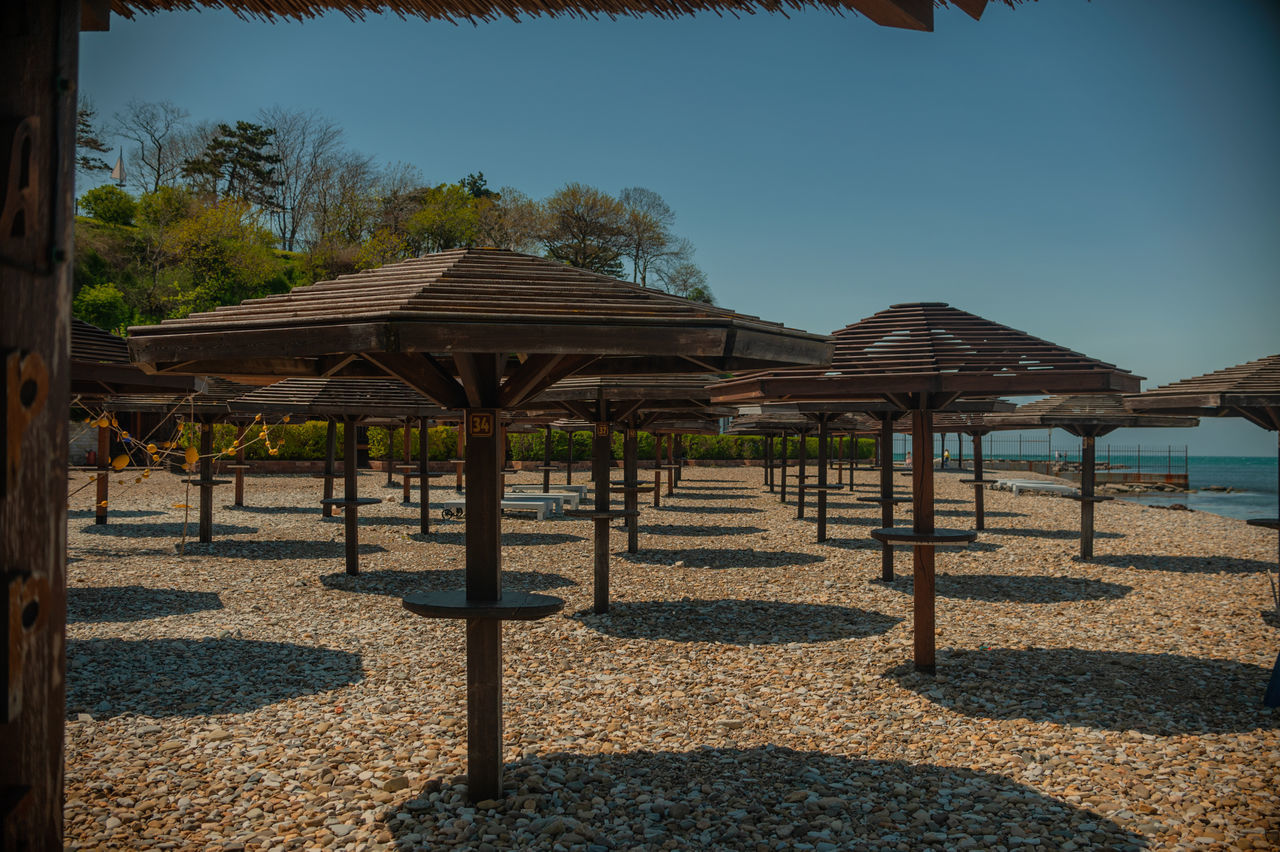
x: 1135, y: 458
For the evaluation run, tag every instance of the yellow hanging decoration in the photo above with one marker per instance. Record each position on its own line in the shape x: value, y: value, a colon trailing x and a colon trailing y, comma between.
x: 120, y: 462
x: 192, y: 455
x: 151, y: 448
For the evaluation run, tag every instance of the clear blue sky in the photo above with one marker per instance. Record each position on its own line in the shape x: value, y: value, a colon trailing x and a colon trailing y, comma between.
x: 1102, y: 174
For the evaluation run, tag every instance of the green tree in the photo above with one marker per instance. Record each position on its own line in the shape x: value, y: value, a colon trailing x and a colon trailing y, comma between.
x: 446, y: 218
x: 383, y: 246
x: 586, y: 228
x: 109, y: 204
x: 476, y: 186
x: 510, y: 220
x: 102, y: 305
x: 226, y: 257
x: 239, y: 163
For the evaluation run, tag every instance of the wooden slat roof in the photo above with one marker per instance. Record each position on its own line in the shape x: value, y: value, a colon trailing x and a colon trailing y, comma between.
x: 1082, y: 414
x: 1249, y: 390
x: 418, y: 317
x: 911, y: 14
x: 324, y: 398
x: 211, y: 401
x: 931, y: 348
x: 101, y: 369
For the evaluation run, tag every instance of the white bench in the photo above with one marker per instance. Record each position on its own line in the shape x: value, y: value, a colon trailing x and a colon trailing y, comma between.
x: 555, y: 502
x: 570, y: 499
x: 535, y: 487
x: 540, y: 508
x: 1017, y: 486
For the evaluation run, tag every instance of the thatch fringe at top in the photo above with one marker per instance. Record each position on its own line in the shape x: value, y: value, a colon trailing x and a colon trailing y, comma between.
x: 489, y: 10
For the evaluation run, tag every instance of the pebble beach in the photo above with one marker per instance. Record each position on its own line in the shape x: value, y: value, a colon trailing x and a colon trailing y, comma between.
x: 750, y: 689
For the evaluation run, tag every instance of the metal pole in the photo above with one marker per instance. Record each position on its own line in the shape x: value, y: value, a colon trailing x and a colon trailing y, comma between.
x: 546, y: 461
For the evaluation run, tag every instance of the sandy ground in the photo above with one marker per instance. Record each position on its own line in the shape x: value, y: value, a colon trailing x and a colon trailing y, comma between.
x: 751, y: 689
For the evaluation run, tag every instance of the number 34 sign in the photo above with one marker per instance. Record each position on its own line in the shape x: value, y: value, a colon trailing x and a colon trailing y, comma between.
x: 480, y: 424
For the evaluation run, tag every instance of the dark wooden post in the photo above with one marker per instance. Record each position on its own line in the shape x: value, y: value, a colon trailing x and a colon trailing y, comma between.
x: 424, y: 476
x: 350, y: 493
x: 886, y: 492
x: 631, y: 478
x: 38, y: 63
x: 240, y: 433
x: 823, y: 443
x: 802, y: 472
x: 206, y: 482
x: 546, y: 461
x: 406, y: 448
x: 768, y: 461
x: 484, y: 446
x: 671, y: 463
x: 390, y: 457
x: 104, y: 475
x: 922, y: 593
x: 568, y: 468
x: 853, y: 453
x: 330, y: 464
x: 460, y: 459
x: 601, y: 461
x: 1087, y: 480
x: 979, y: 487
x: 782, y: 489
x: 657, y: 471
x: 835, y: 457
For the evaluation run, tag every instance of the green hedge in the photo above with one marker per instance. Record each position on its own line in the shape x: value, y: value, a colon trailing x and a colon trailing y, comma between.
x: 305, y: 441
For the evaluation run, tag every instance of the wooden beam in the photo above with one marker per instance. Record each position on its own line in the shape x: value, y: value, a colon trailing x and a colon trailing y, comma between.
x: 537, y: 373
x: 424, y: 374
x: 972, y: 8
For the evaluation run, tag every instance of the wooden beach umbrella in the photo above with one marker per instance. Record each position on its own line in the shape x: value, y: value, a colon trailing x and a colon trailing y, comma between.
x: 1251, y: 391
x: 210, y: 405
x: 631, y: 403
x: 485, y: 331
x: 352, y: 402
x: 1088, y: 417
x: 921, y: 357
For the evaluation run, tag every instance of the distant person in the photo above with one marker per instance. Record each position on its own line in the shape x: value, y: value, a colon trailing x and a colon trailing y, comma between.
x: 946, y: 457
x: 908, y: 459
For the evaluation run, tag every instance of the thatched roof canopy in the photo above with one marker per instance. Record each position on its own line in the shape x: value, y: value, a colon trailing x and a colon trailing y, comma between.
x: 927, y: 354
x: 1249, y: 390
x: 434, y: 318
x: 909, y: 14
x: 362, y: 399
x: 1082, y: 415
x: 101, y: 369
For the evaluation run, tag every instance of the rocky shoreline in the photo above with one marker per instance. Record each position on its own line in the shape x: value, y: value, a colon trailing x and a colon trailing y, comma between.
x: 751, y: 689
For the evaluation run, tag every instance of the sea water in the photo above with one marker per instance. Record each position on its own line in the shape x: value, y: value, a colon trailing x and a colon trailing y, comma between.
x: 1252, y: 478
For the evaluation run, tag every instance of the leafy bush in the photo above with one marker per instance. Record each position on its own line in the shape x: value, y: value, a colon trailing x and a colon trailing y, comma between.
x: 110, y: 204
